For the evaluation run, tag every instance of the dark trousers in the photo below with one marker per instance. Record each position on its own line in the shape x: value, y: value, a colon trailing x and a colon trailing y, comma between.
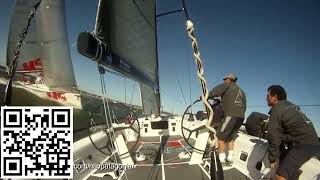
x: 291, y: 162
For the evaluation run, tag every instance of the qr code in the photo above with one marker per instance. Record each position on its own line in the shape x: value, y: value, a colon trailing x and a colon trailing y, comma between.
x: 36, y: 142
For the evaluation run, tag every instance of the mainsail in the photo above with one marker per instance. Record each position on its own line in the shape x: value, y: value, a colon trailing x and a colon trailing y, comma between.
x: 45, y: 51
x: 126, y: 42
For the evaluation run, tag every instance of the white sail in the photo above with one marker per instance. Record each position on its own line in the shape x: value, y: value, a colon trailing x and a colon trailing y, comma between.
x: 29, y: 58
x: 44, y: 65
x: 45, y: 50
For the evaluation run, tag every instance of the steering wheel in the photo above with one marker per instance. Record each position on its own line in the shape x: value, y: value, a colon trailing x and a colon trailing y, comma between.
x: 190, y: 131
x: 133, y: 125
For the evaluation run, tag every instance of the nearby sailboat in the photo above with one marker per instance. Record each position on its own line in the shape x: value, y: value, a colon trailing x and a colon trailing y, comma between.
x: 44, y: 68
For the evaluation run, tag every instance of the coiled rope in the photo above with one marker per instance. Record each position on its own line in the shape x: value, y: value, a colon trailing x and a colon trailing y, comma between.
x: 205, y: 93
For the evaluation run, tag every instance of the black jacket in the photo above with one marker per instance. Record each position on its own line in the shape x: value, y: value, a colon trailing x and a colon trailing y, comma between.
x: 287, y: 124
x: 233, y: 99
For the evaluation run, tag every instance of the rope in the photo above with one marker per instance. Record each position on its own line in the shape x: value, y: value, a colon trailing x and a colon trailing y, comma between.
x: 205, y: 94
x: 14, y: 62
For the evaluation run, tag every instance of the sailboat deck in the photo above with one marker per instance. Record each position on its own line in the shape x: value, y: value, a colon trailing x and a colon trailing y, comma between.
x: 163, y: 162
x: 169, y: 148
x: 150, y: 169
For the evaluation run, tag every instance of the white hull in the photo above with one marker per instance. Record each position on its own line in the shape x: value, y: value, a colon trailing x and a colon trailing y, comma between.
x: 43, y: 92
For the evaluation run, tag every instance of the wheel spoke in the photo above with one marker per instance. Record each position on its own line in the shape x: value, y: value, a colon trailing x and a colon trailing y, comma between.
x: 135, y: 130
x: 186, y: 129
x: 120, y: 128
x: 189, y: 135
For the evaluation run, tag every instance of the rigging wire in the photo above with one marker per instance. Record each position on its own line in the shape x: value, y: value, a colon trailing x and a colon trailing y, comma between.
x: 189, y: 79
x: 108, y: 115
x: 74, y: 44
x: 189, y: 56
x: 104, y: 100
x: 170, y: 12
x: 184, y: 98
x: 134, y: 86
x: 107, y: 109
x: 125, y: 90
x: 189, y: 83
x: 115, y: 120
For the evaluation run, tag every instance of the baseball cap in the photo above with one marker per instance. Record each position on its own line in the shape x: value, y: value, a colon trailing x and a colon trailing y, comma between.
x: 231, y: 76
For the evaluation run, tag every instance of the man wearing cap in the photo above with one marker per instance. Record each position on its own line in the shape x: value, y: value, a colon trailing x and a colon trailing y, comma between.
x: 233, y: 101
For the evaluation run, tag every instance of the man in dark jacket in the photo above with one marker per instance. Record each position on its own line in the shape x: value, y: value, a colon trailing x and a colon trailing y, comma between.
x: 233, y: 101
x: 288, y: 125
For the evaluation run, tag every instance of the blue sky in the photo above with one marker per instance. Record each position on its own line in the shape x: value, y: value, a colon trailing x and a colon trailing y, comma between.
x: 262, y: 42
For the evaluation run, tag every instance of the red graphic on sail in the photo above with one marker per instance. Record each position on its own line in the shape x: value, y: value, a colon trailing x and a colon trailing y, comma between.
x: 34, y: 64
x: 31, y: 67
x: 56, y: 96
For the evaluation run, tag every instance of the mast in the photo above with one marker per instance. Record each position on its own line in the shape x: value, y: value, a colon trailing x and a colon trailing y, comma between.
x: 157, y: 90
